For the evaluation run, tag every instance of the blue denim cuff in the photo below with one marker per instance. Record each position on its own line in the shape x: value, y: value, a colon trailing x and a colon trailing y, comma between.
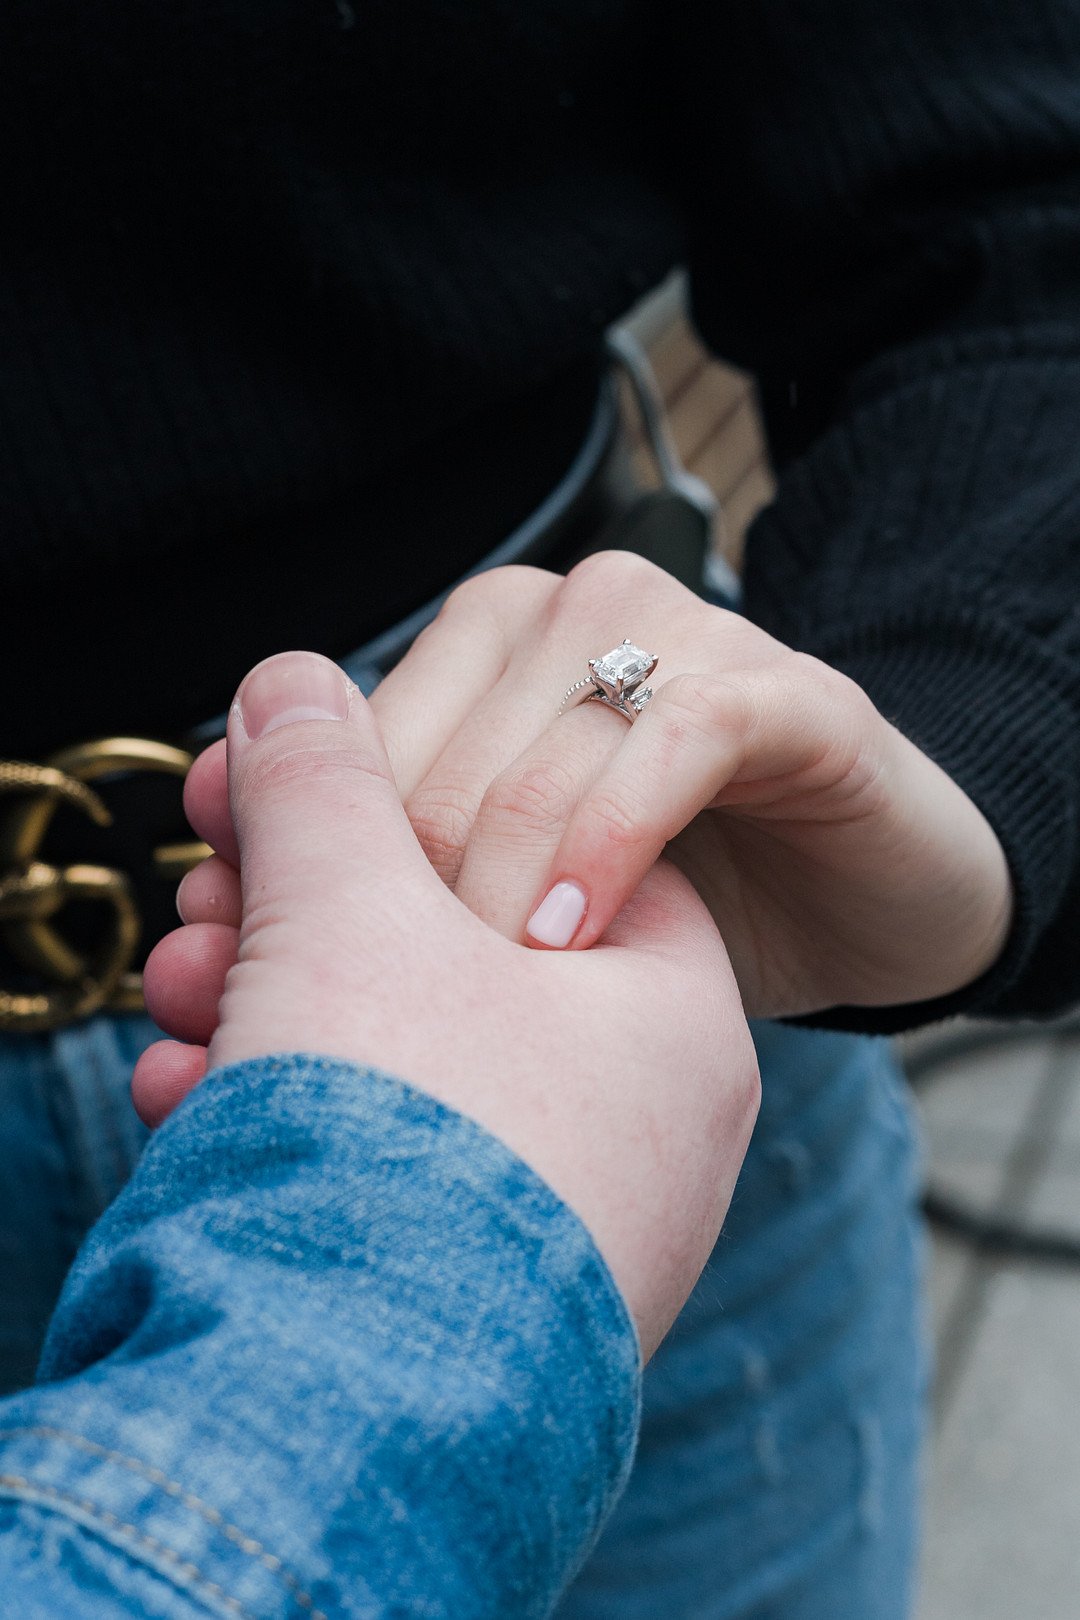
x: 335, y: 1350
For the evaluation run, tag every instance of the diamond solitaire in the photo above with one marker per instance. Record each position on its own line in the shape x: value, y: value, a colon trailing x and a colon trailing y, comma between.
x: 616, y: 680
x: 623, y: 668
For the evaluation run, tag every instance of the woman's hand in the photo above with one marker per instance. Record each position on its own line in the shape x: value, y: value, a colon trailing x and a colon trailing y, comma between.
x: 626, y: 1078
x: 841, y: 865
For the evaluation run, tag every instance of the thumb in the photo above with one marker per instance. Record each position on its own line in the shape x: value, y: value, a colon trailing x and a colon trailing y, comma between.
x: 332, y: 876
x: 311, y: 791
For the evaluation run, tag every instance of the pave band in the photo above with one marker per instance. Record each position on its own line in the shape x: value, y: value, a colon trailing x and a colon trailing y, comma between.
x: 617, y: 680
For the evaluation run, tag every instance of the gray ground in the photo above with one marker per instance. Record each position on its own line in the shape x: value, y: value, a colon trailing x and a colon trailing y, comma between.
x: 1003, y: 1513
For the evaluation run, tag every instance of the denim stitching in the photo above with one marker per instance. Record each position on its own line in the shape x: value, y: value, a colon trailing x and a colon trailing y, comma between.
x: 247, y: 1544
x: 30, y: 1489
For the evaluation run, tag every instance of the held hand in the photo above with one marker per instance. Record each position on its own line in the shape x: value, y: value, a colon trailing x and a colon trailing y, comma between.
x: 841, y: 865
x: 626, y: 1077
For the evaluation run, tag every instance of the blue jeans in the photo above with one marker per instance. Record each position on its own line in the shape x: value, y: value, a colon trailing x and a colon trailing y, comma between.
x: 778, y: 1468
x: 776, y: 1476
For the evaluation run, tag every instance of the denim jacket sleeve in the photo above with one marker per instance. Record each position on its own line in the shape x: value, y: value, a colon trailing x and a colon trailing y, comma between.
x: 335, y: 1351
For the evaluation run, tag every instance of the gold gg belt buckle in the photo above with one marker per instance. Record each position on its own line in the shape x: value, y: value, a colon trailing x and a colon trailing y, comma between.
x: 33, y: 892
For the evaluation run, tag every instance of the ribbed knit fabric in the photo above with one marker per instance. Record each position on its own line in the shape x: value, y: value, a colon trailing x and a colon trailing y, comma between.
x: 961, y: 618
x: 259, y: 259
x: 901, y: 184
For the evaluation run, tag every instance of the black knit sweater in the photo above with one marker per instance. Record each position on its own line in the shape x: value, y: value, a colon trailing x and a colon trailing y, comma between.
x: 258, y: 257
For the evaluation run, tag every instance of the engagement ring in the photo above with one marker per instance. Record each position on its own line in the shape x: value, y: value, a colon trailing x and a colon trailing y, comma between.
x: 615, y: 680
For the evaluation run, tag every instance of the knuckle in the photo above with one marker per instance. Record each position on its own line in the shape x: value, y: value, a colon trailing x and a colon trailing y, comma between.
x: 826, y: 721
x: 843, y: 710
x: 472, y: 596
x: 319, y: 771
x: 613, y: 817
x: 611, y: 574
x: 528, y: 800
x: 806, y: 671
x: 707, y: 705
x: 486, y: 595
x: 442, y: 819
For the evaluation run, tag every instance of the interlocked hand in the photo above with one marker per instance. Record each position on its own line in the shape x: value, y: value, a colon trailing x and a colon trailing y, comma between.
x: 626, y: 1077
x: 841, y: 865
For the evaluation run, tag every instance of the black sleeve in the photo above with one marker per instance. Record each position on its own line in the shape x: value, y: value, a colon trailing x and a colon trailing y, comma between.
x: 885, y: 201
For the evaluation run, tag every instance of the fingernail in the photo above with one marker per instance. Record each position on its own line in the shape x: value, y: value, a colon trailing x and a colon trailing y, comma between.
x: 555, y: 920
x: 291, y: 686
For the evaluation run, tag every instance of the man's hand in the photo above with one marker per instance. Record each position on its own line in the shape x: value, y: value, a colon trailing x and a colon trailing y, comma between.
x: 626, y: 1076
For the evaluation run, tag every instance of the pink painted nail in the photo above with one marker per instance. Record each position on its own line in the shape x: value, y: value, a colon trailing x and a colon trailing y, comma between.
x: 555, y: 920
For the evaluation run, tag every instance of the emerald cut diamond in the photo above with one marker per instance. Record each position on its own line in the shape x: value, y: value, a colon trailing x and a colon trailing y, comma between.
x: 623, y: 667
